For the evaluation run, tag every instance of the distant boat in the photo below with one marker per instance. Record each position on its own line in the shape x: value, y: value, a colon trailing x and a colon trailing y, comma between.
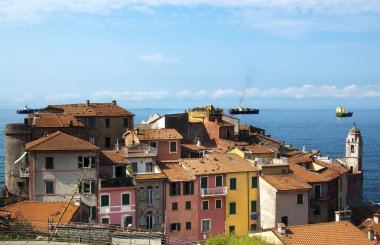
x: 27, y: 110
x: 243, y: 110
x: 341, y: 112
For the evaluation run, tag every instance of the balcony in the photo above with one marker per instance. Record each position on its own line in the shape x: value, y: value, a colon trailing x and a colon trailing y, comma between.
x: 119, y: 182
x: 217, y: 191
x: 24, y: 173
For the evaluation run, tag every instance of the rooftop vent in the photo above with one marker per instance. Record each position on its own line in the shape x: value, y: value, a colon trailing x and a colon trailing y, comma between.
x: 281, y: 227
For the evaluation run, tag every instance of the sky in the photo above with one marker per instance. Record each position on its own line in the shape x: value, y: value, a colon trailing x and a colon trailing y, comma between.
x: 181, y: 53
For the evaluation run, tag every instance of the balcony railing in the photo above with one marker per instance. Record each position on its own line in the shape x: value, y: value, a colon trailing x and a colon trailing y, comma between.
x: 217, y: 191
x: 24, y: 173
x: 119, y: 182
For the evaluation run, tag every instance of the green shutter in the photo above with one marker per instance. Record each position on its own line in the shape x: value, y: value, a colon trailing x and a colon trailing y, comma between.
x: 93, y: 186
x: 254, y: 181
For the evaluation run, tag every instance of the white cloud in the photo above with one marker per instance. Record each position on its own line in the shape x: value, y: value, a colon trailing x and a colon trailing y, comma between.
x: 127, y: 95
x: 158, y: 58
x: 186, y: 94
x: 24, y: 97
x: 60, y: 97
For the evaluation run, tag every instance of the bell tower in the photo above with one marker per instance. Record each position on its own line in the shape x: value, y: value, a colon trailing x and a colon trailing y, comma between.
x: 354, y: 150
x: 354, y: 162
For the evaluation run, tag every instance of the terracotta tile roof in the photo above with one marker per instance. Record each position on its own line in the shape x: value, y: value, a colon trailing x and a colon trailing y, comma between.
x: 150, y: 176
x: 175, y: 172
x: 38, y: 213
x: 194, y: 147
x: 54, y: 120
x: 225, y: 124
x: 158, y: 134
x: 339, y: 233
x: 202, y: 166
x: 113, y: 157
x: 337, y: 167
x: 363, y: 212
x: 268, y: 138
x: 306, y: 175
x: 285, y: 182
x: 59, y: 141
x: 369, y: 223
x: 92, y: 110
x: 305, y: 158
x: 231, y: 162
x: 244, y: 127
x: 292, y: 153
x: 259, y: 149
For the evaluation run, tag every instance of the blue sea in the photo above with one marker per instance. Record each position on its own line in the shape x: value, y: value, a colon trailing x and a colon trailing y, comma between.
x: 315, y: 129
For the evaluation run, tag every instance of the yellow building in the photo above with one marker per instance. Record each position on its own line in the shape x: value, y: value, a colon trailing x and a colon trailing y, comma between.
x: 242, y: 195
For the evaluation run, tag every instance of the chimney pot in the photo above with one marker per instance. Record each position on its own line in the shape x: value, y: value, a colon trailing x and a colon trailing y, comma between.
x: 87, y: 102
x: 114, y: 102
x: 371, y: 235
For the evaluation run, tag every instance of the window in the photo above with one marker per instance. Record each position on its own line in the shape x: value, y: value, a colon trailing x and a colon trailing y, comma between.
x: 150, y: 221
x: 157, y: 194
x: 219, y: 181
x: 119, y: 171
x: 253, y: 206
x: 49, y: 162
x: 228, y: 133
x: 49, y: 187
x: 188, y: 205
x: 134, y: 167
x: 232, y: 183
x: 317, y: 191
x: 173, y: 147
x: 105, y: 220
x: 300, y: 198
x: 150, y: 195
x: 108, y: 142
x: 231, y: 229
x: 107, y: 122
x: 204, y: 182
x: 232, y: 207
x: 284, y: 220
x: 188, y: 225
x: 175, y: 189
x: 125, y: 199
x: 188, y: 188
x: 86, y: 162
x: 104, y: 200
x: 352, y: 149
x: 89, y: 186
x: 206, y: 225
x: 149, y: 167
x: 142, y: 194
x: 127, y: 221
x: 253, y: 227
x: 175, y: 206
x: 254, y: 181
x: 92, y: 211
x: 204, y: 205
x: 153, y: 145
x: 91, y: 122
x: 175, y: 227
x: 126, y: 123
x: 218, y: 203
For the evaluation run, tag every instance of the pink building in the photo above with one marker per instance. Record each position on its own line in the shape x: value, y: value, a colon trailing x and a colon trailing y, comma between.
x: 167, y: 142
x: 181, y: 203
x: 210, y: 195
x: 117, y: 190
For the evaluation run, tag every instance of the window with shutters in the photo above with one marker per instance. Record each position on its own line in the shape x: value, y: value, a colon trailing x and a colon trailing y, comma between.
x: 150, y: 195
x: 127, y: 220
x: 218, y: 203
x: 49, y: 187
x: 142, y: 194
x: 157, y: 193
x: 175, y: 188
x: 188, y: 205
x: 173, y: 147
x: 125, y: 199
x: 219, y: 181
x: 49, y: 162
x: 206, y: 225
x: 254, y: 181
x: 232, y: 207
x: 105, y: 220
x: 89, y: 186
x: 104, y: 200
x: 205, y: 205
x: 175, y: 206
x: 188, y: 225
x: 188, y: 188
x: 253, y: 206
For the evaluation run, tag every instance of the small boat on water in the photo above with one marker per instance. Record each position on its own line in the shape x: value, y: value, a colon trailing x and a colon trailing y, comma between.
x: 341, y: 112
x: 27, y: 110
x: 243, y: 110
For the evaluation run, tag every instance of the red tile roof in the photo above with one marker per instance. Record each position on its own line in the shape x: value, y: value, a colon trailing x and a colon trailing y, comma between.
x: 175, y: 172
x: 38, y: 213
x: 285, y: 182
x: 113, y: 157
x: 150, y: 176
x: 339, y: 233
x: 60, y: 141
x: 54, y: 120
x: 230, y: 162
x: 305, y: 158
x: 369, y: 223
x: 259, y: 149
x: 306, y: 175
x: 93, y: 109
x: 157, y: 134
x: 202, y: 166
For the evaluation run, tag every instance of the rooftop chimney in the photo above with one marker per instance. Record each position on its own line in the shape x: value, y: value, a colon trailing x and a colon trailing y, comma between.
x: 114, y: 102
x: 342, y: 215
x: 376, y: 218
x: 371, y: 234
x: 87, y: 102
x: 281, y: 227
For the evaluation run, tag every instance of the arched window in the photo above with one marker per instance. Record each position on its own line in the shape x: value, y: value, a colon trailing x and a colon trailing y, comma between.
x: 352, y: 149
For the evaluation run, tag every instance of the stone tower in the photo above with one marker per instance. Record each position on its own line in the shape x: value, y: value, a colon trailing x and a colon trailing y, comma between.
x: 354, y: 161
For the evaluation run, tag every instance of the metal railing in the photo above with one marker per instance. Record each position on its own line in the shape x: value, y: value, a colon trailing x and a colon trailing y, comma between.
x: 217, y: 191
